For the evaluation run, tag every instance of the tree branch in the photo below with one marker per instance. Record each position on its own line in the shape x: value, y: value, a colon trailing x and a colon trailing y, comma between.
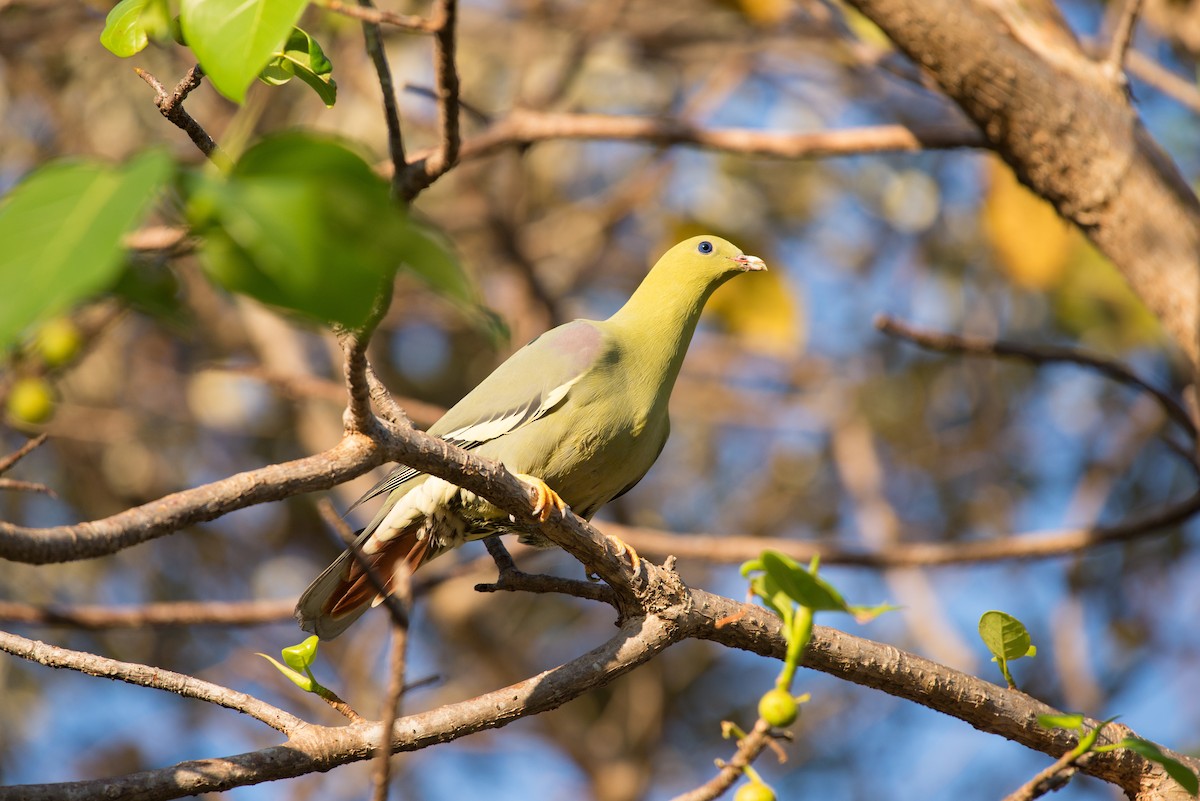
x: 423, y: 171
x: 146, y: 676
x: 312, y: 748
x: 1037, y: 354
x: 171, y: 107
x: 1068, y: 133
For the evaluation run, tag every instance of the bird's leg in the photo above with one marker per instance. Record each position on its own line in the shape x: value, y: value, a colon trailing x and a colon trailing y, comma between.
x: 547, y: 498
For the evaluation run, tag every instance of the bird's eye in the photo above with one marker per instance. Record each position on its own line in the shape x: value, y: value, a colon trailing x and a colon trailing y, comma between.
x: 705, y: 247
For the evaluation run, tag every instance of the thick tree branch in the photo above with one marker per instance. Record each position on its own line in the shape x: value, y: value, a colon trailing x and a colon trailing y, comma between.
x: 1069, y: 134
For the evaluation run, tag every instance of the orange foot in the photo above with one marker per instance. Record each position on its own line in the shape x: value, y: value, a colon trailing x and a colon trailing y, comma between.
x: 547, y: 498
x: 625, y: 549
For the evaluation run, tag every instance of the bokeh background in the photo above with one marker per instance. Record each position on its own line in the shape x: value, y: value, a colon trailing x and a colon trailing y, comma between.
x: 793, y: 418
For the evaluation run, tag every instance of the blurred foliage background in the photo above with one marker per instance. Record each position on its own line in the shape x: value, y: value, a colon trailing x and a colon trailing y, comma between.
x: 794, y: 417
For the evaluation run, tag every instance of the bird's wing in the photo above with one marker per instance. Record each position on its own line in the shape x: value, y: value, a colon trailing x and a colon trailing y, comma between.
x: 527, y: 386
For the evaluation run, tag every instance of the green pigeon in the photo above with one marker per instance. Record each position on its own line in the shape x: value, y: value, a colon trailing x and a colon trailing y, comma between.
x: 580, y: 412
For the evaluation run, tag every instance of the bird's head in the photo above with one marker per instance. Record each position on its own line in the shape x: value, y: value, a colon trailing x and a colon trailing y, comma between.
x: 707, y: 260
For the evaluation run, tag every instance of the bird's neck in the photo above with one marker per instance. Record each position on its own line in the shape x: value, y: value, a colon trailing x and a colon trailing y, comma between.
x: 657, y: 322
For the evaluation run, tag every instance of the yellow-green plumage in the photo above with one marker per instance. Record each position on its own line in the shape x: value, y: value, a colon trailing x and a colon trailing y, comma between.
x: 582, y: 407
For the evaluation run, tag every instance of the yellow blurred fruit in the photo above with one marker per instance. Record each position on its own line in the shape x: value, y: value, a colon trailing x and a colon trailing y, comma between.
x: 58, y: 342
x: 754, y: 791
x: 778, y: 708
x: 30, y: 401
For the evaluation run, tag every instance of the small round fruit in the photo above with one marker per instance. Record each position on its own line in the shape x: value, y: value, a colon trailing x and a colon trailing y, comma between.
x: 778, y: 708
x: 31, y: 401
x: 754, y: 791
x: 58, y: 342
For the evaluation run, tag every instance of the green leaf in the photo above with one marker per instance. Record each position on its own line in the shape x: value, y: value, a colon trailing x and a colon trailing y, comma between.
x: 801, y: 586
x: 234, y: 39
x: 1007, y: 639
x: 1072, y: 722
x: 62, y: 228
x: 303, y: 222
x: 133, y: 23
x: 301, y: 655
x: 123, y: 34
x: 1175, y: 769
x: 306, y: 683
x: 302, y: 58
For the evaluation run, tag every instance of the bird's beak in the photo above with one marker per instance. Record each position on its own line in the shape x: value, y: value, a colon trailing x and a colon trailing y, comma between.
x: 750, y: 264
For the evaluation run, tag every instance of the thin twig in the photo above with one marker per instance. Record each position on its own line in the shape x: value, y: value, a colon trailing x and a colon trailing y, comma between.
x: 20, y: 453
x: 1036, y: 354
x: 358, y: 418
x: 1031, y: 545
x: 175, y: 613
x: 1122, y: 37
x: 396, y: 687
x: 146, y: 676
x: 420, y: 173
x: 524, y: 127
x: 26, y: 486
x: 511, y: 579
x: 391, y: 112
x: 748, y: 749
x: 171, y: 106
x: 367, y: 13
x: 1051, y: 779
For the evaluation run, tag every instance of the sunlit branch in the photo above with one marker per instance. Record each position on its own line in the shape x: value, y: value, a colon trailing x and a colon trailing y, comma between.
x: 174, y: 613
x: 146, y: 676
x: 311, y: 748
x: 523, y: 127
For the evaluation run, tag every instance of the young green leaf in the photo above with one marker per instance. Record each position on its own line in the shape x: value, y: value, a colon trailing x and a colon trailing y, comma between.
x: 62, y: 228
x: 306, y: 683
x: 1007, y: 639
x: 803, y: 587
x: 301, y: 655
x: 234, y: 39
x: 303, y: 58
x: 1175, y: 769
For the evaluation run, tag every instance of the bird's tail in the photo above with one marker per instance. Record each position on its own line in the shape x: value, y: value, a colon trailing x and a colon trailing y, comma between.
x: 344, y: 590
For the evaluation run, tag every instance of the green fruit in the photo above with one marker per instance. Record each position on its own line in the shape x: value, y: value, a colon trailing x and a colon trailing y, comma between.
x: 754, y: 791
x: 58, y: 342
x: 778, y: 708
x: 30, y: 401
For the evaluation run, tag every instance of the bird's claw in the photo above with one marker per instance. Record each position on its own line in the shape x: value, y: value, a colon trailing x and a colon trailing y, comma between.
x: 547, y: 498
x: 625, y: 549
